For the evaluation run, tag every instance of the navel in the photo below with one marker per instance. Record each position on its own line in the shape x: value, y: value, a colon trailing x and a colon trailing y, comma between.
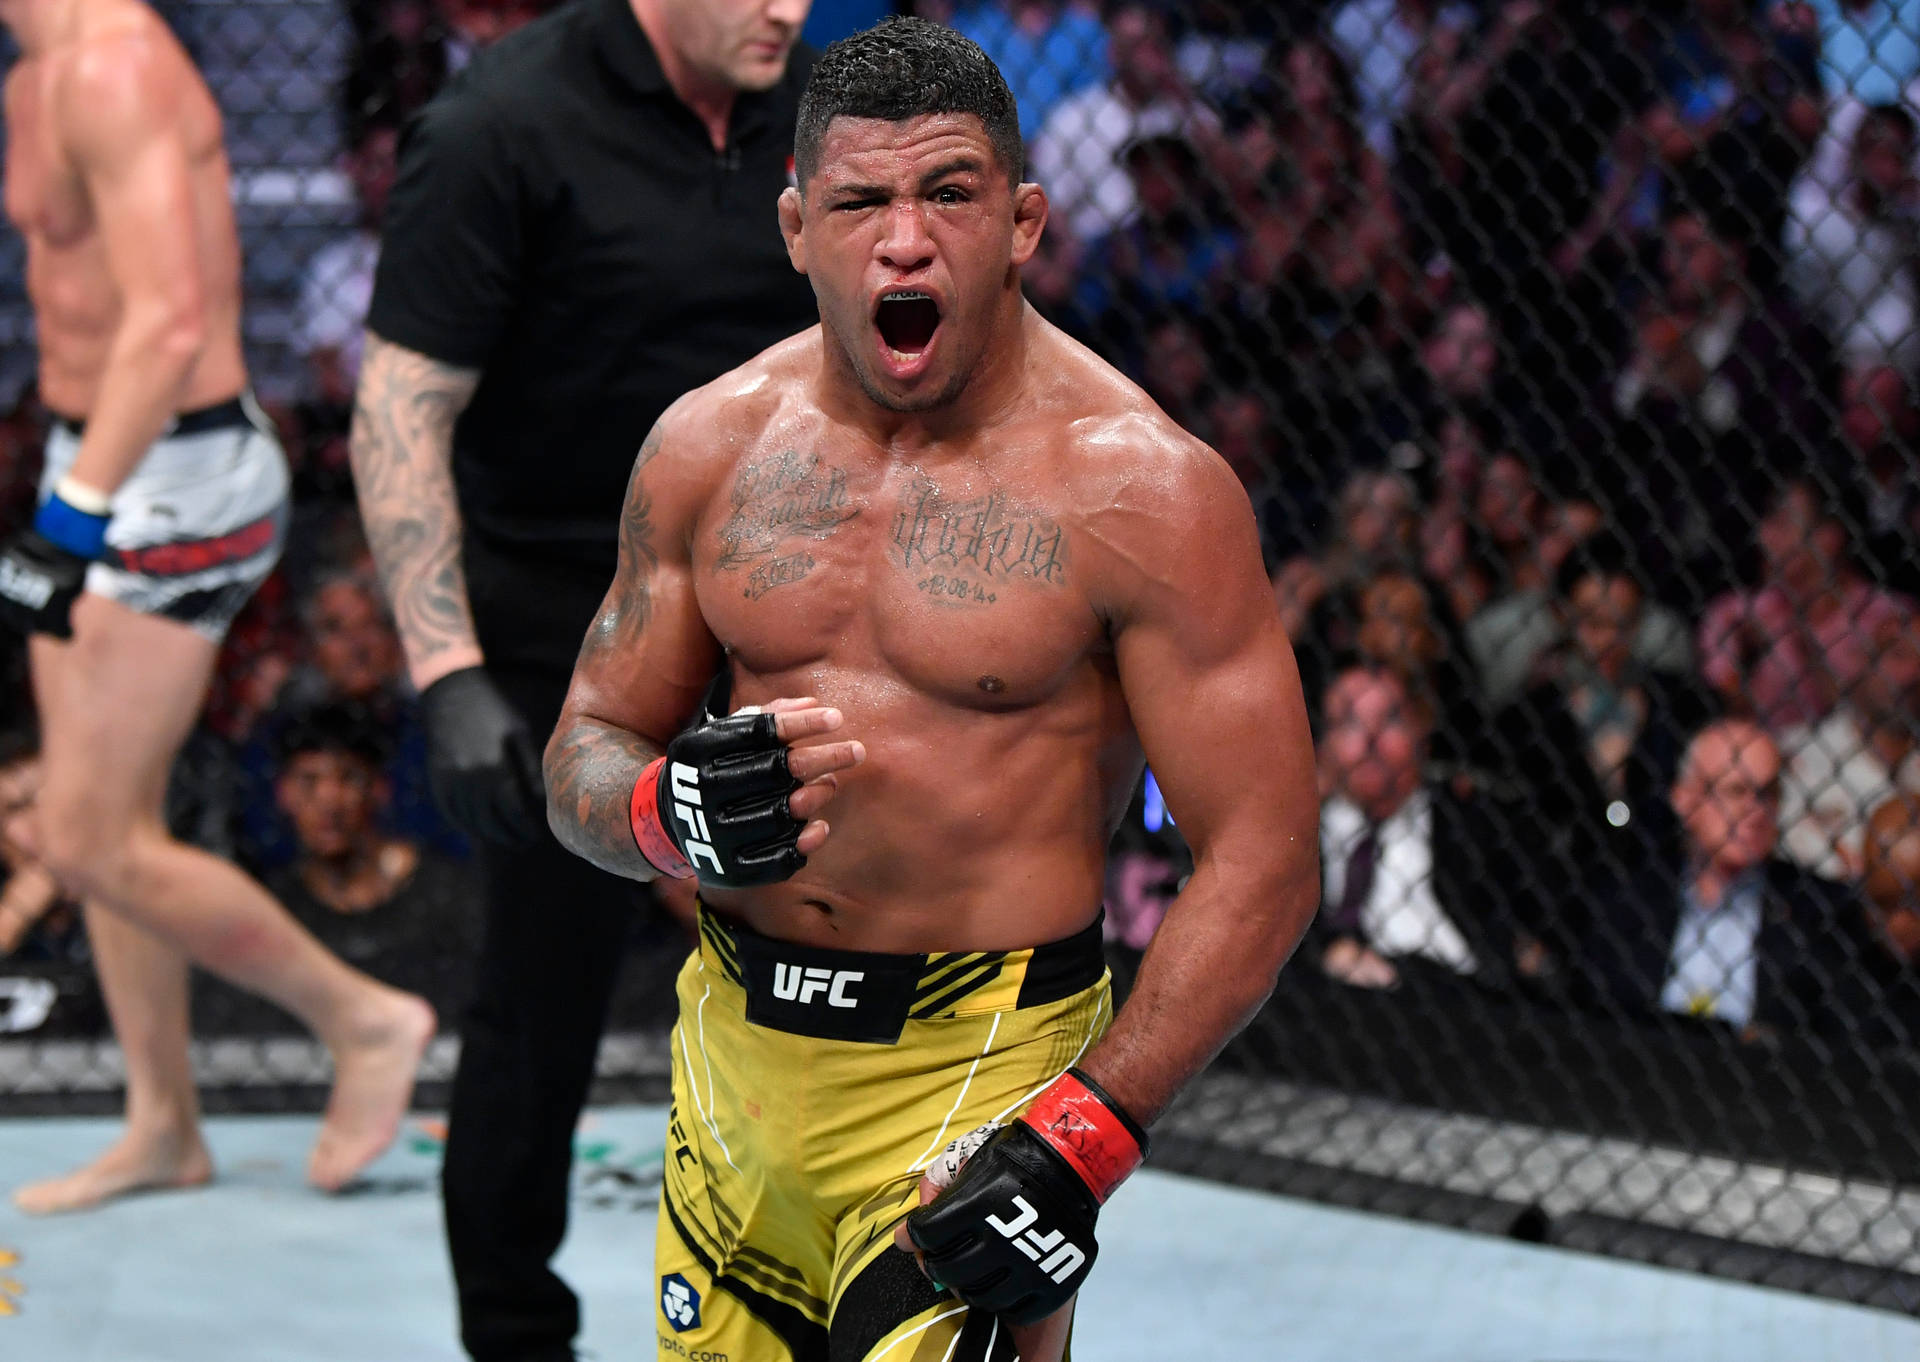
x: 992, y: 685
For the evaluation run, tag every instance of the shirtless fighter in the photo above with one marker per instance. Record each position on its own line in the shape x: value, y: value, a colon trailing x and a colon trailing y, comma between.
x: 163, y: 506
x: 960, y: 575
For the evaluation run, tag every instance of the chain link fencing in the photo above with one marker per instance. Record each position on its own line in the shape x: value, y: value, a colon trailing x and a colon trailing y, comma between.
x: 1567, y: 352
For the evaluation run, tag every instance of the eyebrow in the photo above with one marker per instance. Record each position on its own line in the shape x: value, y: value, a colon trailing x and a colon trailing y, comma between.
x: 959, y: 165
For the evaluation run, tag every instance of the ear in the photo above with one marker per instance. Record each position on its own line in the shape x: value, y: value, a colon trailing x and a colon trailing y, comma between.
x: 792, y: 212
x: 1029, y: 220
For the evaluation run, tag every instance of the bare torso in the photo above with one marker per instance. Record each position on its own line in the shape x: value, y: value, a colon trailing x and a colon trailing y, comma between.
x: 950, y: 601
x: 70, y: 280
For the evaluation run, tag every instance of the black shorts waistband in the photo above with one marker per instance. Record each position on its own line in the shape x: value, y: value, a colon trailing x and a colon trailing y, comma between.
x: 867, y: 996
x: 221, y: 416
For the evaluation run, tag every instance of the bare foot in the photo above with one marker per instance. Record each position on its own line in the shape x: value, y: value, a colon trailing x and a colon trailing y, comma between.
x: 372, y: 1085
x: 135, y: 1163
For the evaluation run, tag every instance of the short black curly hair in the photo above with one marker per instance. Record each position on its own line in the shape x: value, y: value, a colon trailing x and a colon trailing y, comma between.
x: 902, y: 68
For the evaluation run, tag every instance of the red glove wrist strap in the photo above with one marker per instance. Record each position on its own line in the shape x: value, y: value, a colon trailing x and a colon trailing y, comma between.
x: 649, y: 833
x: 1090, y: 1132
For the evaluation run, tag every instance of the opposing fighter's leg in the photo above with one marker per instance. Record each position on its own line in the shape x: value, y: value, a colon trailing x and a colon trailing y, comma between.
x: 115, y: 704
x: 145, y: 984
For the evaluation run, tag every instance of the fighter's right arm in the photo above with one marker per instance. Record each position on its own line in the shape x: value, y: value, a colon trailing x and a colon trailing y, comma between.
x: 402, y: 451
x: 642, y: 668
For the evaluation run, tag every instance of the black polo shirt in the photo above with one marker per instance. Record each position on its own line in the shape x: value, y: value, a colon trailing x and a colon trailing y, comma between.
x: 562, y: 222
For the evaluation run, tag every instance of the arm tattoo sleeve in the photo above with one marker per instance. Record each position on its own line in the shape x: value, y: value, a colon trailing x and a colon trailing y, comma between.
x: 402, y: 450
x: 591, y: 765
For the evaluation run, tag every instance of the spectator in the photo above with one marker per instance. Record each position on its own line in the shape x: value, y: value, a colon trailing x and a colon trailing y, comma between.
x: 1077, y: 155
x: 1720, y: 398
x: 1892, y: 879
x: 1739, y: 936
x: 1049, y: 50
x: 1851, y: 256
x: 1376, y: 524
x: 1864, y: 753
x: 1514, y: 638
x: 1177, y: 255
x: 385, y: 904
x: 352, y: 656
x: 1324, y: 238
x: 1595, y: 736
x: 1527, y: 535
x: 1744, y: 111
x: 1509, y: 149
x: 1381, y: 40
x: 1880, y: 422
x: 1789, y: 651
x: 1419, y: 884
x: 1224, y: 47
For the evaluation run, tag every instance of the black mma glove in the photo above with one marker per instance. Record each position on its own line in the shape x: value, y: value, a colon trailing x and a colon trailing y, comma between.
x: 715, y: 805
x: 481, y: 761
x: 1012, y: 1233
x: 43, y: 571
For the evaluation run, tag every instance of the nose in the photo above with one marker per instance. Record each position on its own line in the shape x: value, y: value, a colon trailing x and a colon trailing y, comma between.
x: 789, y: 14
x: 905, y: 245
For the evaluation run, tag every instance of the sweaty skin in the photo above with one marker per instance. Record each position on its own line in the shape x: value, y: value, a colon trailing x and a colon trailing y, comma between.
x: 118, y: 181
x: 992, y: 577
x: 1004, y: 584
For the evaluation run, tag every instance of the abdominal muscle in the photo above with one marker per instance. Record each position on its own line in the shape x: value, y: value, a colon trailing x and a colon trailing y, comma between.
x: 963, y: 830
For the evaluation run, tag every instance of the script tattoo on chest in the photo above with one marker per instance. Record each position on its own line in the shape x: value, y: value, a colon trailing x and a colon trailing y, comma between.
x: 774, y: 501
x: 965, y: 552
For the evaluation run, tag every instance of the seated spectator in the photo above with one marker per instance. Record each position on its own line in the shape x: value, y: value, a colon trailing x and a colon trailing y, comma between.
x: 1863, y: 754
x: 1892, y: 879
x: 1049, y: 50
x: 1791, y: 650
x: 352, y: 656
x: 1375, y: 526
x: 1420, y: 885
x: 384, y: 904
x: 1880, y: 423
x: 1736, y: 936
x: 1076, y: 156
x: 1720, y: 397
x: 1525, y: 534
x: 1851, y: 256
x: 1380, y: 40
x: 1595, y: 736
x: 1512, y: 638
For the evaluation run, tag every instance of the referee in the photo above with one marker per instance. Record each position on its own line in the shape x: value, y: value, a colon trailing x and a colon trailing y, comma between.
x: 583, y: 228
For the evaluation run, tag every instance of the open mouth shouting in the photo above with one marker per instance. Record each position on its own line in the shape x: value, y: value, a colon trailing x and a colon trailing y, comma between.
x: 906, y: 321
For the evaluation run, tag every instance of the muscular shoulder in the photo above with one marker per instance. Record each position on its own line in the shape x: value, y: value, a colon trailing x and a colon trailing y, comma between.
x: 699, y: 440
x: 122, y: 77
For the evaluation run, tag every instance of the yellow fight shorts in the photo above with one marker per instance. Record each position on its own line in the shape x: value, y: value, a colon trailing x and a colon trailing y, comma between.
x: 811, y: 1089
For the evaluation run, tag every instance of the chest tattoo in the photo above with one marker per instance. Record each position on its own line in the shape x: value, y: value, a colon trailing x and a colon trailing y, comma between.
x: 967, y: 551
x: 774, y: 501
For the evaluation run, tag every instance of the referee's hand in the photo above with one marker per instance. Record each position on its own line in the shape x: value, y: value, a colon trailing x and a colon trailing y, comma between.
x: 482, y: 762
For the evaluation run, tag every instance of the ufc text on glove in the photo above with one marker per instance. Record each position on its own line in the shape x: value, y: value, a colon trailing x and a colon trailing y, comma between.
x: 1013, y: 1233
x: 715, y: 805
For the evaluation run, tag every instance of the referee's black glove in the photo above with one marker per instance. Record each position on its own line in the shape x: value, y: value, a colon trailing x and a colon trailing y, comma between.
x: 482, y: 762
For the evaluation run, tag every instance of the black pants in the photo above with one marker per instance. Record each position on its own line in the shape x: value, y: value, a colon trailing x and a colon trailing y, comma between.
x: 556, y: 932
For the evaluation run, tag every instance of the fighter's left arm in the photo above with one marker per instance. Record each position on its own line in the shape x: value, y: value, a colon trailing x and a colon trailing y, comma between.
x: 1210, y: 680
x: 118, y: 104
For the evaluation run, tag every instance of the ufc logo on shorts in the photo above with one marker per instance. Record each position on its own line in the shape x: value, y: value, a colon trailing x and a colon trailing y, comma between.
x: 684, y: 781
x: 792, y: 983
x: 1062, y: 1259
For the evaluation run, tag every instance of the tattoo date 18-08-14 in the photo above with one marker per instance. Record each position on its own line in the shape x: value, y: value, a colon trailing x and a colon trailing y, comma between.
x: 958, y: 552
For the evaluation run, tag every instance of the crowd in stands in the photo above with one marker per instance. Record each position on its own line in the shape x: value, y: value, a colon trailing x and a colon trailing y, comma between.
x: 1568, y: 353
